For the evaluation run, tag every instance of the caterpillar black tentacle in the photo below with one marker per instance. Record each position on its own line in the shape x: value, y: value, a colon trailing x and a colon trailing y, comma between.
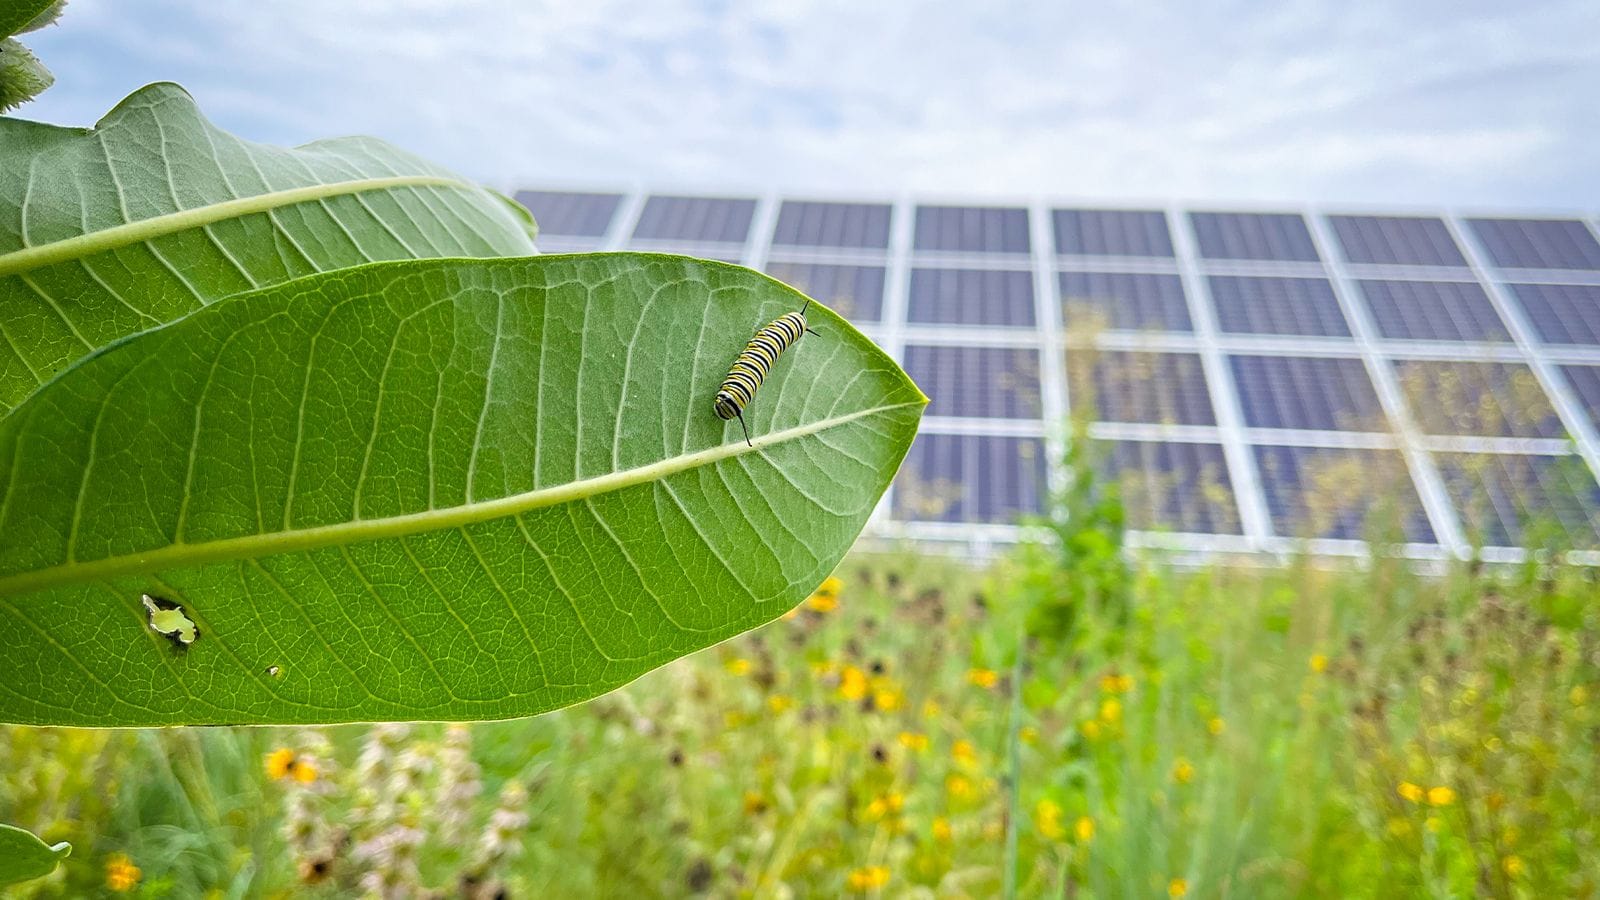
x: 753, y: 365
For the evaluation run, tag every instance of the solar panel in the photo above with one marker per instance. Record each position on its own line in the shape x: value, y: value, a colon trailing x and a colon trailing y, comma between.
x: 1511, y: 500
x: 1112, y: 232
x: 1123, y: 300
x: 570, y: 213
x: 1172, y: 486
x: 1344, y: 493
x: 1495, y: 399
x: 1433, y: 311
x: 972, y: 229
x: 695, y: 220
x: 1312, y: 392
x: 1396, y: 241
x: 1562, y: 313
x: 1000, y: 382
x: 1538, y: 243
x: 971, y: 297
x: 1585, y: 383
x: 1279, y: 236
x: 970, y: 478
x: 1156, y: 388
x: 849, y: 225
x: 1256, y: 305
x: 855, y: 292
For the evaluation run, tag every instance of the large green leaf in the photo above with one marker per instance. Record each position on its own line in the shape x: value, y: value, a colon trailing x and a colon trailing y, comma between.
x: 155, y: 212
x: 427, y: 490
x: 23, y: 857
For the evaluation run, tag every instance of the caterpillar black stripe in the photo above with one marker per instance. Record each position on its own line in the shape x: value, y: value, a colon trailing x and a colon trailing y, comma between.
x: 752, y: 366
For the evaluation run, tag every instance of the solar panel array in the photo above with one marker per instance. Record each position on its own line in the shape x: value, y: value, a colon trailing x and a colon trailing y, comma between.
x: 1256, y: 378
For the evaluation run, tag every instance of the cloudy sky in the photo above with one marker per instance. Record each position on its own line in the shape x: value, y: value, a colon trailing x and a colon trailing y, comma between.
x: 1458, y: 102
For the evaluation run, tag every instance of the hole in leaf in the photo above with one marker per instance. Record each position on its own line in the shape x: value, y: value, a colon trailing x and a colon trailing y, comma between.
x: 167, y: 618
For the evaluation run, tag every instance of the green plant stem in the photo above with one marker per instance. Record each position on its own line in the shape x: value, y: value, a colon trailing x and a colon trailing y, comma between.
x: 1014, y: 765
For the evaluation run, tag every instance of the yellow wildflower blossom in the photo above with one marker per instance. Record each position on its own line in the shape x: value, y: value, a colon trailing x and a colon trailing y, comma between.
x: 1090, y: 729
x: 852, y: 683
x: 780, y: 703
x: 1116, y: 684
x: 963, y: 752
x: 1319, y: 663
x: 1111, y: 710
x: 1047, y: 818
x: 1216, y: 726
x: 1410, y: 791
x: 822, y: 603
x: 279, y: 763
x: 870, y: 878
x: 1028, y: 734
x: 1513, y: 865
x: 1083, y: 829
x: 737, y: 666
x: 984, y: 678
x: 886, y: 700
x: 1578, y: 696
x: 1441, y: 796
x: 121, y: 874
x: 754, y: 803
x: 914, y: 740
x: 304, y: 771
x: 1182, y: 771
x: 1177, y: 887
x: 959, y: 786
x: 941, y: 830
x: 885, y: 805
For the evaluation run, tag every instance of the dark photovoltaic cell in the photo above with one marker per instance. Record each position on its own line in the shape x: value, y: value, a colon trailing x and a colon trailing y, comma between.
x: 1112, y: 232
x: 971, y: 297
x: 855, y: 292
x: 972, y: 229
x: 854, y: 225
x: 1323, y: 393
x: 1327, y: 492
x: 1585, y: 382
x: 1433, y: 311
x: 1172, y: 486
x: 569, y: 213
x: 695, y: 219
x: 1252, y: 305
x: 1508, y: 500
x: 1122, y: 300
x: 1495, y: 399
x: 1562, y: 313
x: 1538, y: 243
x: 1002, y: 382
x: 970, y: 478
x: 1135, y: 386
x: 1397, y: 241
x: 1280, y: 236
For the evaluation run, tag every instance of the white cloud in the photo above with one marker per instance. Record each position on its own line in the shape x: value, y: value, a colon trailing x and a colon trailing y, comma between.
x: 1416, y: 102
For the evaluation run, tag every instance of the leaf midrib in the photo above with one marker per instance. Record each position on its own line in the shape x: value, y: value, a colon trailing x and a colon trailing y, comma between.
x: 143, y: 230
x: 257, y: 545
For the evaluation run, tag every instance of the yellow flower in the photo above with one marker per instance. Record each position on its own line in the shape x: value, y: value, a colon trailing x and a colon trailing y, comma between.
x: 737, y: 666
x: 886, y: 700
x: 1083, y: 829
x: 884, y: 805
x: 984, y: 678
x: 870, y: 878
x: 780, y: 703
x: 914, y: 740
x: 941, y: 829
x: 1410, y: 791
x: 279, y: 763
x: 1182, y: 771
x: 1319, y: 663
x: 1177, y: 887
x: 1578, y: 696
x: 1116, y: 684
x: 304, y: 771
x: 1513, y: 865
x: 959, y: 786
x: 1399, y: 827
x: 1111, y: 710
x: 1047, y: 817
x: 121, y: 874
x: 754, y: 803
x: 1216, y: 726
x: 852, y: 683
x: 963, y: 752
x: 1028, y: 734
x: 1433, y: 824
x: 825, y: 598
x: 1441, y: 796
x: 1090, y: 729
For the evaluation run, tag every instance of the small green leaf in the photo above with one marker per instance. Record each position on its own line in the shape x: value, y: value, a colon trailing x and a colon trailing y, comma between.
x: 22, y: 76
x: 156, y: 212
x: 19, y: 16
x: 23, y: 857
x: 441, y: 489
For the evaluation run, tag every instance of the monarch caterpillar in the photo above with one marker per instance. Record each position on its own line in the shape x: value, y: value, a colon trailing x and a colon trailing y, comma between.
x: 755, y: 362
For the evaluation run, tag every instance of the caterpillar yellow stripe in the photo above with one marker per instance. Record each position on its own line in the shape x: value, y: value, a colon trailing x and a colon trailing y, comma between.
x: 755, y: 362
